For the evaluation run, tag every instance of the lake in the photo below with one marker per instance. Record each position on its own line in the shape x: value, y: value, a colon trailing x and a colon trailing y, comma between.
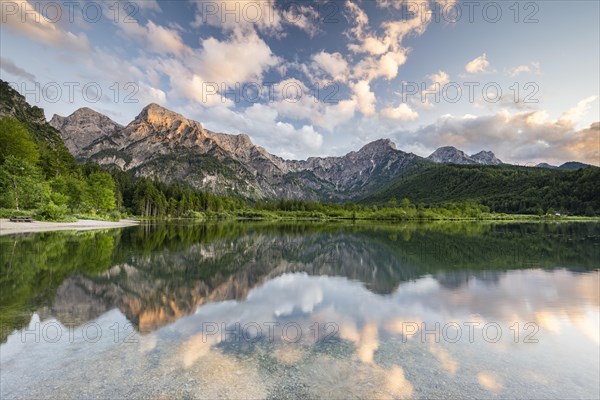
x: 302, y: 310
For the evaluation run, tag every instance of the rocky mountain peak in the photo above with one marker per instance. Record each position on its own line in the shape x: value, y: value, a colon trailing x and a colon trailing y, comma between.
x: 83, y: 116
x: 160, y: 117
x: 486, y: 157
x: 378, y: 146
x: 546, y: 165
x: 157, y: 123
x: 83, y: 128
x: 452, y: 155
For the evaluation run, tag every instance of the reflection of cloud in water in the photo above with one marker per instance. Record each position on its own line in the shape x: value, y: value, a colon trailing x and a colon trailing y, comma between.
x: 448, y: 363
x: 365, y: 319
x: 342, y: 379
x: 220, y: 375
x: 288, y: 353
x: 489, y: 382
x: 367, y: 343
x: 537, y: 296
x: 197, y: 347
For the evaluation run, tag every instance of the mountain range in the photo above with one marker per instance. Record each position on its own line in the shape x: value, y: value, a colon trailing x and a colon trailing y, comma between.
x: 166, y: 146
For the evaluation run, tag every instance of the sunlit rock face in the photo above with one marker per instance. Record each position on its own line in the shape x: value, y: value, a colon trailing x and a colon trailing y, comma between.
x: 164, y: 145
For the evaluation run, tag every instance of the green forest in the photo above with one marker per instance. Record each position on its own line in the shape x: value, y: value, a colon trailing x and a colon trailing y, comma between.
x: 503, y: 189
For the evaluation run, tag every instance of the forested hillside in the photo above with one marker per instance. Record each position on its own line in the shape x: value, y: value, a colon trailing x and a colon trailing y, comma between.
x: 508, y: 189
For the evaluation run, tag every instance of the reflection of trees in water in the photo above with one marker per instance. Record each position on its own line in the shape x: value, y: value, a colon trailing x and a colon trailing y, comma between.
x: 157, y: 273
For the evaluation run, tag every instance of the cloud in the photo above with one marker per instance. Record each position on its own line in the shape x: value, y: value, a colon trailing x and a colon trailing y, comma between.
x: 148, y: 94
x: 146, y: 5
x: 403, y: 113
x: 326, y: 115
x: 39, y: 28
x: 365, y: 98
x: 303, y: 17
x: 243, y: 57
x: 157, y: 39
x: 380, y: 55
x: 533, y: 67
x: 265, y: 125
x: 332, y: 64
x: 480, y: 65
x: 440, y: 77
x: 573, y: 115
x: 386, y: 66
x: 249, y: 15
x: 438, y: 80
x: 514, y: 137
x: 203, y: 74
x: 11, y: 68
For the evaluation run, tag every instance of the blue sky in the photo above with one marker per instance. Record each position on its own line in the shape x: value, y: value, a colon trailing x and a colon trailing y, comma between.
x: 413, y: 72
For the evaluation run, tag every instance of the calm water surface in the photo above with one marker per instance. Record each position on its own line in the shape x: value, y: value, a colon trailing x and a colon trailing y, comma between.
x: 264, y: 310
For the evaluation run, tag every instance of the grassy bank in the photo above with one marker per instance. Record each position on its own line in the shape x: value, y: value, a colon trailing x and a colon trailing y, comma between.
x: 379, y: 215
x: 370, y: 214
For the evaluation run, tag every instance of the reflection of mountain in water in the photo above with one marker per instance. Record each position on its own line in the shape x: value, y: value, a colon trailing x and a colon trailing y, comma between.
x: 157, y: 274
x: 159, y: 288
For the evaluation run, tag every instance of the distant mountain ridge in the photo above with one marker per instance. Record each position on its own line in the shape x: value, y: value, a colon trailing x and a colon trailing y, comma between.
x: 451, y: 155
x: 568, y: 166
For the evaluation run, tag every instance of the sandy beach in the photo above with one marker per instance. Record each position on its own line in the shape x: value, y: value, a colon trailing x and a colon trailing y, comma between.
x: 10, y: 228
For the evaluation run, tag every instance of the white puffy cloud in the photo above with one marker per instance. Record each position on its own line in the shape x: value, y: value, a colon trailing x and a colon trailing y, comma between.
x: 394, y: 32
x: 324, y: 114
x: 147, y: 94
x: 402, y: 113
x: 338, y: 114
x: 365, y: 98
x: 244, y: 57
x: 479, y: 65
x: 333, y: 64
x: 572, y: 116
x: 202, y: 75
x: 440, y: 77
x: 379, y: 55
x: 533, y: 67
x: 264, y: 126
x: 438, y: 80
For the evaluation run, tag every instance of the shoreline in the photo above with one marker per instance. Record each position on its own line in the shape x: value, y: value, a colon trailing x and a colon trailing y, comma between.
x: 13, y: 228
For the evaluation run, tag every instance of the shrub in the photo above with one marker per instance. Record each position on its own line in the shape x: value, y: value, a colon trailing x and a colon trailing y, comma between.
x: 53, y: 212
